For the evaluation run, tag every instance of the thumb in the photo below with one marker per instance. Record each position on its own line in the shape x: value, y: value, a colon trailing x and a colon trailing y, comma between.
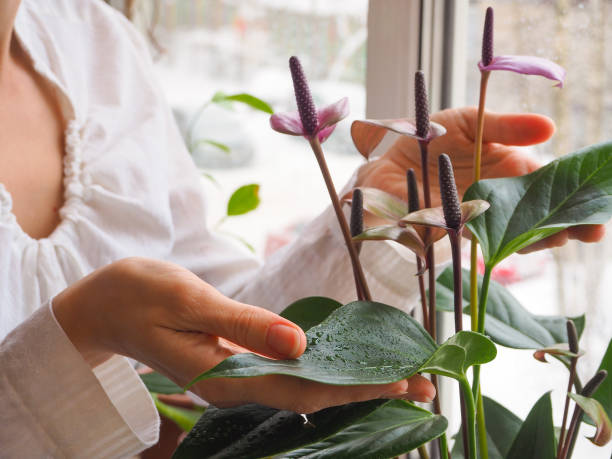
x: 252, y: 327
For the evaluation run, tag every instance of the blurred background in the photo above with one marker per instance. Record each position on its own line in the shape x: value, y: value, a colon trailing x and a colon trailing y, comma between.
x: 369, y: 51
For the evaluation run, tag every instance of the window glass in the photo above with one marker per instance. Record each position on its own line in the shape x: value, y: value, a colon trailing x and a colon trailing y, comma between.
x: 205, y: 46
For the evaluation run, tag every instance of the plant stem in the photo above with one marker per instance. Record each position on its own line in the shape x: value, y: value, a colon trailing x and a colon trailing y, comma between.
x: 482, y: 428
x: 455, y: 241
x: 361, y: 284
x: 566, y: 409
x: 423, y: 454
x: 423, y: 295
x: 484, y: 78
x: 444, y: 454
x: 484, y: 294
x: 471, y: 417
x: 464, y: 422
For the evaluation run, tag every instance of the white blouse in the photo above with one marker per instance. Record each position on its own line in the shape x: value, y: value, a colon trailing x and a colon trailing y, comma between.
x: 131, y: 189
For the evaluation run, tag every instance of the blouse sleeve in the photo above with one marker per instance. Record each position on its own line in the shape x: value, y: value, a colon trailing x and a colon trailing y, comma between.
x: 53, y: 405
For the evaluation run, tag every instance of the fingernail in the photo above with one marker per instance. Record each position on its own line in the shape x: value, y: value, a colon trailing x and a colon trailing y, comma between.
x: 284, y: 339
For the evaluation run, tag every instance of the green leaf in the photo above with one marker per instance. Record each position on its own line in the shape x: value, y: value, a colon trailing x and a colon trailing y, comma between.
x: 393, y: 429
x: 597, y: 413
x: 360, y: 343
x: 311, y: 311
x: 182, y: 417
x: 243, y: 200
x: 536, y: 438
x: 158, y: 383
x: 460, y: 352
x: 573, y: 190
x: 252, y: 431
x: 243, y: 98
x: 507, y: 322
x: 603, y: 394
x: 502, y: 426
x: 214, y: 143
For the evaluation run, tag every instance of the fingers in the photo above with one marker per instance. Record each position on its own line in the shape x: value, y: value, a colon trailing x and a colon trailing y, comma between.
x: 587, y: 233
x: 254, y: 328
x: 515, y: 129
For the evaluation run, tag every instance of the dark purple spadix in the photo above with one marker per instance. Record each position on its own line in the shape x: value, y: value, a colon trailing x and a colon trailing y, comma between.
x: 413, y: 191
x: 305, y: 105
x: 421, y: 105
x: 594, y: 383
x: 448, y: 192
x: 487, y: 38
x: 357, y: 213
x: 572, y: 337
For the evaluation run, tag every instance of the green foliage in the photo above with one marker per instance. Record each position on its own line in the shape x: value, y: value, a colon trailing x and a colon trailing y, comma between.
x: 536, y: 438
x: 185, y: 418
x: 310, y: 311
x: 252, y: 431
x: 159, y: 384
x: 360, y: 343
x: 255, y: 103
x: 575, y: 189
x: 603, y: 394
x: 391, y: 430
x: 243, y: 200
x: 502, y: 426
x: 507, y: 322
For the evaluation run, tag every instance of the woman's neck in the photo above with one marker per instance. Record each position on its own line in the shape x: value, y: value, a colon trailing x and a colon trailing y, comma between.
x: 8, y: 11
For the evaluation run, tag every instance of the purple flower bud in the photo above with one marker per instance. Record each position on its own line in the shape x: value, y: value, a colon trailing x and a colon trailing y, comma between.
x: 413, y: 191
x: 448, y: 192
x: 594, y: 383
x: 357, y: 213
x: 421, y: 105
x: 306, y: 107
x: 487, y: 38
x: 572, y: 337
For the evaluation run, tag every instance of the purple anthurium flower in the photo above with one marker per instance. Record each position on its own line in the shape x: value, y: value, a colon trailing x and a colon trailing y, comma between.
x: 308, y: 121
x: 526, y: 65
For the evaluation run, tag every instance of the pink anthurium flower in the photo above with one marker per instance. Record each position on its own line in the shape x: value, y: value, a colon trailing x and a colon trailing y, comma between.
x: 526, y: 65
x: 308, y: 121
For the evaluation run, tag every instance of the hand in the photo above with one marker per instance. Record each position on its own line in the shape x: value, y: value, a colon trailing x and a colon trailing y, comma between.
x: 500, y: 158
x: 167, y: 318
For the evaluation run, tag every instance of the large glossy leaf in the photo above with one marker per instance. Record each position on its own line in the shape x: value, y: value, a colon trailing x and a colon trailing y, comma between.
x: 575, y: 189
x: 252, y: 431
x: 158, y: 383
x: 393, y: 429
x: 536, y: 438
x: 507, y: 322
x: 597, y: 413
x: 460, y: 352
x: 310, y: 311
x: 359, y: 343
x: 502, y: 426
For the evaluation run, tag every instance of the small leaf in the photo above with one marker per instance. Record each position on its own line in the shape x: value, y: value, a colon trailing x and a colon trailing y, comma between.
x: 573, y: 190
x: 243, y: 200
x: 311, y: 311
x: 367, y: 134
x: 360, y: 343
x: 597, y: 413
x: 559, y: 349
x: 604, y: 393
x: 393, y: 429
x: 221, y: 146
x: 407, y: 236
x: 507, y: 322
x: 383, y: 204
x: 254, y: 431
x: 536, y: 438
x: 184, y: 418
x: 458, y: 353
x: 255, y: 103
x: 501, y: 425
x: 158, y: 383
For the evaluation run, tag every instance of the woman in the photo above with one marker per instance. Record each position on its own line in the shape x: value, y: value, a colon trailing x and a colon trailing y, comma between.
x: 106, y: 177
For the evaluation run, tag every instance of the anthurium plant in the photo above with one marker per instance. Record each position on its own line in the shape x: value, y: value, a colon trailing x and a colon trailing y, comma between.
x: 367, y: 342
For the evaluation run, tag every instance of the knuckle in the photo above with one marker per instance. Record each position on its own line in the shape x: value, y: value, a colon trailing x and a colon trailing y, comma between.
x: 243, y: 324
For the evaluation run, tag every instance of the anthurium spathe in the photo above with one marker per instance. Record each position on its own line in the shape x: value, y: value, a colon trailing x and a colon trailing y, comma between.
x: 526, y: 65
x: 308, y: 121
